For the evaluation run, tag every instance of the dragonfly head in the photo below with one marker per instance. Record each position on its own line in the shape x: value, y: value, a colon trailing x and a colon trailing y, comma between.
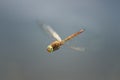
x: 50, y: 48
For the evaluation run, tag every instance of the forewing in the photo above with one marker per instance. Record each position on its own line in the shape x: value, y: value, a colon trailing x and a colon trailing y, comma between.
x: 52, y: 32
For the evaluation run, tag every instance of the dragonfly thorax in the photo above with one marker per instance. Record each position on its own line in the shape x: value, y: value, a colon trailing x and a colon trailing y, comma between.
x: 54, y: 46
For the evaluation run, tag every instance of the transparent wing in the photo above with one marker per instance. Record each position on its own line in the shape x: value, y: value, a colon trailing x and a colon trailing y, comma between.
x: 52, y: 32
x: 77, y: 48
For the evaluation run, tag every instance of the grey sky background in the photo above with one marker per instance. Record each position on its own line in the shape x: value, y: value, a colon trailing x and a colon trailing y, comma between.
x: 23, y: 42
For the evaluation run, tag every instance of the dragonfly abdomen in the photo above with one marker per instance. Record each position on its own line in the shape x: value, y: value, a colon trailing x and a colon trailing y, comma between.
x: 73, y: 35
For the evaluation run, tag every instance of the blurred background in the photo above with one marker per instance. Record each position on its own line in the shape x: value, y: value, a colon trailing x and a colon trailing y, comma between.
x: 23, y: 42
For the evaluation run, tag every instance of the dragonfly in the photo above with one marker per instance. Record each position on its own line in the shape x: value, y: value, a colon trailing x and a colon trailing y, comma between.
x: 55, y: 45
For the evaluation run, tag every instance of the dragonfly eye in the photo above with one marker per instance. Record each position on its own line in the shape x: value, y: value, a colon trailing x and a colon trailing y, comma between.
x: 50, y: 49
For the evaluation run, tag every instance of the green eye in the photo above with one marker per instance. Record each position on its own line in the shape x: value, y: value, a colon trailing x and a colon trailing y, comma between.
x: 50, y: 49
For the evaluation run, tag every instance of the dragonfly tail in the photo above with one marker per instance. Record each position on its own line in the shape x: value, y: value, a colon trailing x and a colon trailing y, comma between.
x: 73, y: 35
